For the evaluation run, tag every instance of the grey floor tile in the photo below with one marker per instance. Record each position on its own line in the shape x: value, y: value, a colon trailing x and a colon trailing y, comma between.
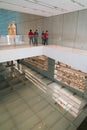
x: 42, y: 93
x: 2, y: 109
x: 45, y: 112
x: 10, y: 98
x: 52, y: 118
x: 22, y: 117
x: 14, y: 104
x: 34, y: 100
x: 69, y: 116
x: 18, y: 86
x: 18, y: 109
x: 24, y: 90
x: 28, y: 95
x: 4, y: 116
x: 62, y: 124
x: 40, y: 126
x: 41, y: 105
x: 29, y: 123
x: 52, y: 93
x: 8, y: 125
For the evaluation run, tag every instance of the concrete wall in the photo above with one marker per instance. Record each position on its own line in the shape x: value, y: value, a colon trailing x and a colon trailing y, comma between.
x: 66, y: 30
x: 26, y: 22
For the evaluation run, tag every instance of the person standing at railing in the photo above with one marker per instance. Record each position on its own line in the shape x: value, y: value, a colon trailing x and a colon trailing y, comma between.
x: 30, y: 35
x: 36, y: 35
x: 46, y: 38
x: 42, y: 37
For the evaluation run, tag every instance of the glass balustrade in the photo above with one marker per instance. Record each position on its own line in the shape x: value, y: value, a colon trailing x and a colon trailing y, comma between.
x: 15, y: 40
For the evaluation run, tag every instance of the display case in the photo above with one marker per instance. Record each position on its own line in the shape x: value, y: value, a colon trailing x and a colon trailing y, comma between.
x: 70, y: 76
x: 40, y: 62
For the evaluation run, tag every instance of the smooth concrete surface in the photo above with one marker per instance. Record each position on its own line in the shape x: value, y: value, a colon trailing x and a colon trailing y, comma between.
x: 19, y: 53
x: 76, y: 58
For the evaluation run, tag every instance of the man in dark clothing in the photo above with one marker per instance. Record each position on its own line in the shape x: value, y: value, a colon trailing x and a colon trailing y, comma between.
x: 30, y: 35
x: 42, y: 36
x: 36, y: 37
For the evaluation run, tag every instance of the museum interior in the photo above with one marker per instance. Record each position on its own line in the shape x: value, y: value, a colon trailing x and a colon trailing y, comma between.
x: 37, y: 80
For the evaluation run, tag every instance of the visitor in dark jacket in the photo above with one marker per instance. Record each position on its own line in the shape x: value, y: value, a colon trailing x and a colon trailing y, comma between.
x: 42, y: 37
x: 36, y: 35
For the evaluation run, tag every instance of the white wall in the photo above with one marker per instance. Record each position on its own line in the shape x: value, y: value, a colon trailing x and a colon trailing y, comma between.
x: 19, y: 53
x: 67, y: 29
x: 77, y: 60
x: 25, y: 22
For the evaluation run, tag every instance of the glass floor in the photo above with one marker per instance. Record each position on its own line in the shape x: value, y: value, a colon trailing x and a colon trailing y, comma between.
x: 36, y: 103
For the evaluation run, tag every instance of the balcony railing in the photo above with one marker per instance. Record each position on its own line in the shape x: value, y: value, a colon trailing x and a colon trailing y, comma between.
x: 17, y: 40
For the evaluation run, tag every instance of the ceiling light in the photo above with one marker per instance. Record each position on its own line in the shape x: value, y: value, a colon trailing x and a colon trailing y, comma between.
x: 78, y: 3
x: 35, y: 1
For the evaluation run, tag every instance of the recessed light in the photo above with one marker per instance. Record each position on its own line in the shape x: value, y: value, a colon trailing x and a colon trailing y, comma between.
x: 35, y: 1
x: 78, y: 3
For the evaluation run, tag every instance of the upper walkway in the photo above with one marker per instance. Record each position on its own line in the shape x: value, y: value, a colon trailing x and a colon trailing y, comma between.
x: 14, y: 48
x: 73, y: 57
